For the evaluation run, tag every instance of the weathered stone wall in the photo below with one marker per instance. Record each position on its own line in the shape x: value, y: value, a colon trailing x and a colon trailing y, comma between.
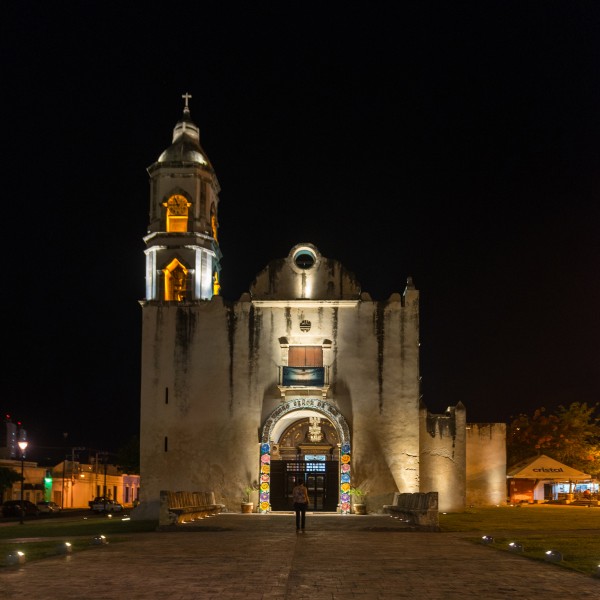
x: 443, y: 450
x: 210, y: 380
x: 376, y: 385
x: 210, y: 383
x: 486, y: 464
x: 199, y: 416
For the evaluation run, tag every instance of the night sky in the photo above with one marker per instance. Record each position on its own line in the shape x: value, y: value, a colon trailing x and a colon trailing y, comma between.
x: 454, y: 142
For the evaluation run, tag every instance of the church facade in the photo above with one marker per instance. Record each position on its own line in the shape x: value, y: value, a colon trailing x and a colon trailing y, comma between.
x: 304, y: 376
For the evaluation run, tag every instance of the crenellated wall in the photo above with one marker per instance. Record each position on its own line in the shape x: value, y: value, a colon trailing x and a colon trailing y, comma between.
x: 442, y: 455
x: 486, y: 464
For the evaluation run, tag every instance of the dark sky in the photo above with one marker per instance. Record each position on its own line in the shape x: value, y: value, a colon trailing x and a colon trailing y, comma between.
x: 454, y: 142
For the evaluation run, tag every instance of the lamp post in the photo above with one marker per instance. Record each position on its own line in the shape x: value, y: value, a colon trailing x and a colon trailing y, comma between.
x: 62, y: 493
x: 23, y: 446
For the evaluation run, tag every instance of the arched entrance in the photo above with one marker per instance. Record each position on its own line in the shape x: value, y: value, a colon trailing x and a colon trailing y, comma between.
x: 305, y: 438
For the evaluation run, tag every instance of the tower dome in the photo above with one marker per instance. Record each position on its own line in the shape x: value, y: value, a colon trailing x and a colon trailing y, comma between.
x: 185, y: 147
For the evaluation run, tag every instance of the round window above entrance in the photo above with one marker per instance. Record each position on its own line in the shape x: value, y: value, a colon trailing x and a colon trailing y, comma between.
x: 304, y: 259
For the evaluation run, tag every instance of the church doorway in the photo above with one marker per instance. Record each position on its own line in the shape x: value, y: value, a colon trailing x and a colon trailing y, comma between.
x: 321, y: 478
x: 310, y: 443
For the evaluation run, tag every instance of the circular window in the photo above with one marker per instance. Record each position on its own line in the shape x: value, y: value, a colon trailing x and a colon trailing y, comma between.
x: 305, y: 259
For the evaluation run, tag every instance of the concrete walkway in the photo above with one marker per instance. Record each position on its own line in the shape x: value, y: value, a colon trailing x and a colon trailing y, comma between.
x: 260, y: 557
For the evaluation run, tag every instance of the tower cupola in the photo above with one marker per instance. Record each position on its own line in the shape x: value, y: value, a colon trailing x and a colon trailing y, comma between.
x: 185, y: 147
x: 182, y: 249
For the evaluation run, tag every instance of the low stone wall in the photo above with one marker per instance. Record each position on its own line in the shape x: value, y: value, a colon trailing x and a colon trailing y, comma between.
x: 419, y: 510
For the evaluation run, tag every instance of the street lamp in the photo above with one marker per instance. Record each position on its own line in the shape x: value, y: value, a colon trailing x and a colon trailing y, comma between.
x: 23, y: 446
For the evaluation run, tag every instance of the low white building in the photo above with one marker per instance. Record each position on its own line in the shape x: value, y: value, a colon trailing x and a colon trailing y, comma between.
x: 71, y: 484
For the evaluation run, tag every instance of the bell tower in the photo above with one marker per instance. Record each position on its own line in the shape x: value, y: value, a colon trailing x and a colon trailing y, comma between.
x: 182, y: 250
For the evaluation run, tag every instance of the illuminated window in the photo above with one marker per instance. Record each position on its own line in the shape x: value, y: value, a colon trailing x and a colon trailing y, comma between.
x: 213, y: 221
x: 216, y: 284
x: 177, y: 213
x: 316, y: 466
x: 176, y: 279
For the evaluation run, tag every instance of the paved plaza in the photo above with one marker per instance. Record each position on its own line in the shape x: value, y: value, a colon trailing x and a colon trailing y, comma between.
x: 261, y: 557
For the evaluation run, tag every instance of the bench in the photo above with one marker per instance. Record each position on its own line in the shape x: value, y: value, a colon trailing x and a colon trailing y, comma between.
x: 185, y: 507
x: 419, y: 510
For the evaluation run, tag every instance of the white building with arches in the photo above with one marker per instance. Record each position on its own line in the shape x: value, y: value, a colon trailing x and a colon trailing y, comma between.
x: 304, y: 376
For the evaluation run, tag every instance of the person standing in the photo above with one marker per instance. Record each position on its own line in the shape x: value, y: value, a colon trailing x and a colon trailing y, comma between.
x: 300, y: 497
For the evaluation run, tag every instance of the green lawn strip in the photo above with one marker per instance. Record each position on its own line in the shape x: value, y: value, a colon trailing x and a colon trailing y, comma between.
x: 91, y: 527
x: 573, y: 531
x: 579, y: 553
x: 40, y: 540
x: 535, y: 517
x: 37, y: 550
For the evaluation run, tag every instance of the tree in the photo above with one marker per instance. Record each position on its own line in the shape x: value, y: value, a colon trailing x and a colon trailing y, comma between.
x: 570, y: 435
x: 8, y: 477
x: 530, y: 436
x: 579, y: 437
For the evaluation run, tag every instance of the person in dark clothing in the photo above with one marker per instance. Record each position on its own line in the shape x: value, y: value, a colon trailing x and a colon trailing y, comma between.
x: 300, y: 497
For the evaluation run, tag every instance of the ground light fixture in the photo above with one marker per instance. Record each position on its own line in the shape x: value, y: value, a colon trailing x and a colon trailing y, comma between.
x: 99, y: 540
x: 553, y: 555
x: 515, y: 547
x: 15, y: 558
x: 487, y: 539
x: 64, y: 548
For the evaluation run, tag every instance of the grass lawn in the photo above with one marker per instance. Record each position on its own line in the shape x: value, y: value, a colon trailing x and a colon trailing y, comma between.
x: 573, y: 531
x: 46, y: 538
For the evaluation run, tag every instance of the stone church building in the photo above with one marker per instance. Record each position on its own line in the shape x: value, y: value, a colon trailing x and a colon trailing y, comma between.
x: 305, y: 375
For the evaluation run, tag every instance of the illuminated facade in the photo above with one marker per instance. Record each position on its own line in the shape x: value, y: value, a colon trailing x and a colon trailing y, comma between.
x: 71, y: 484
x: 304, y: 375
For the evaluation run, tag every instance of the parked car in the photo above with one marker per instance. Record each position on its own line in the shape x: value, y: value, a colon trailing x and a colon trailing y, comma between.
x: 48, y: 507
x: 98, y: 500
x: 104, y: 504
x: 12, y: 508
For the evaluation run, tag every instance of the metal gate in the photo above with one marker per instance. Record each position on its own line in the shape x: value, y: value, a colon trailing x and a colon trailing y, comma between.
x: 321, y: 478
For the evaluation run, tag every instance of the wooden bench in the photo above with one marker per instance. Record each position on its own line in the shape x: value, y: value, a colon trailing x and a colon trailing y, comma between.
x: 420, y: 510
x: 185, y: 507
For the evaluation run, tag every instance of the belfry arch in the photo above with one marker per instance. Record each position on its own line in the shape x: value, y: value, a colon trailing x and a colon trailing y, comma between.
x: 328, y: 469
x: 175, y: 281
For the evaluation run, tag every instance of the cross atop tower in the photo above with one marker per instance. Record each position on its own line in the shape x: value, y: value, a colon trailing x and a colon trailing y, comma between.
x: 186, y: 97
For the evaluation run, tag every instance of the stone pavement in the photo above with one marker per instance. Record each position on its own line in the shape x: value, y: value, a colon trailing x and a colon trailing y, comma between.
x: 261, y: 557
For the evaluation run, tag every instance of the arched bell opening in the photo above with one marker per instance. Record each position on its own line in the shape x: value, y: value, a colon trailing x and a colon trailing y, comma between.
x: 308, y: 442
x: 175, y: 281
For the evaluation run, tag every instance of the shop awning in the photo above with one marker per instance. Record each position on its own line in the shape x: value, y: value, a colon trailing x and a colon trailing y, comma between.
x: 544, y: 467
